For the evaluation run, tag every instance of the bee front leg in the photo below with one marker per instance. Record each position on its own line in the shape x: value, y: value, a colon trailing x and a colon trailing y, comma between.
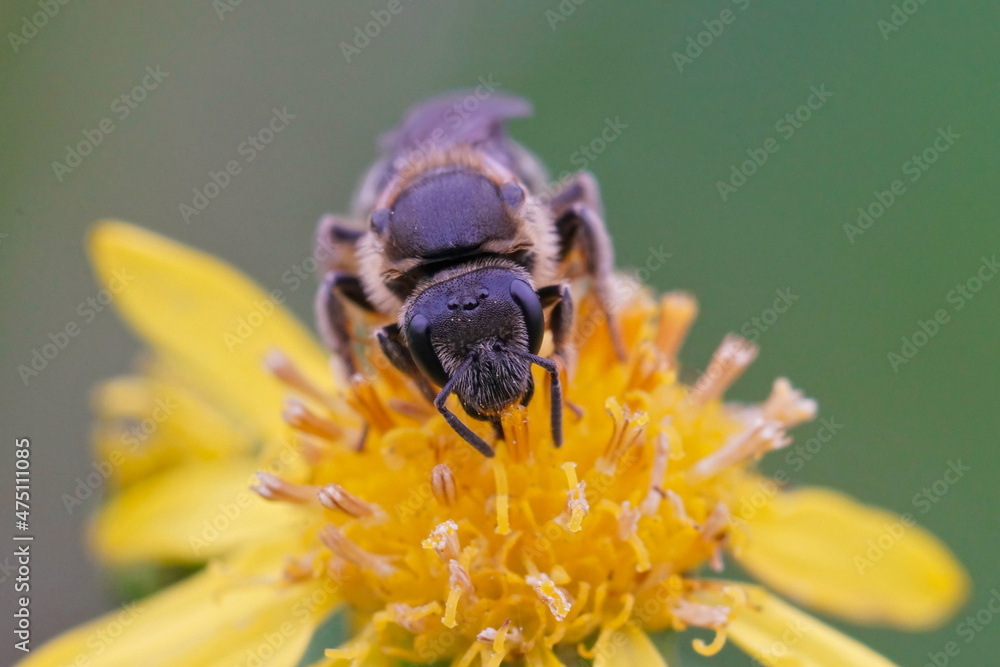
x: 389, y: 339
x: 577, y: 209
x: 560, y: 322
x: 331, y: 315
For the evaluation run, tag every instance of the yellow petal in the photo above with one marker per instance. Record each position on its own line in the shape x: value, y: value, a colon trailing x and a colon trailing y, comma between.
x: 148, y: 424
x: 626, y: 647
x: 779, y: 635
x: 826, y: 551
x: 210, y: 619
x: 204, y: 314
x: 189, y: 514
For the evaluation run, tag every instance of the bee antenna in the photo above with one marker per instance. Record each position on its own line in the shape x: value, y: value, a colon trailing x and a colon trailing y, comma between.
x: 555, y: 389
x: 442, y: 398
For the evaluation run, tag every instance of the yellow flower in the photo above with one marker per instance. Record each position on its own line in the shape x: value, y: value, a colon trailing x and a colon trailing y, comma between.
x: 437, y: 553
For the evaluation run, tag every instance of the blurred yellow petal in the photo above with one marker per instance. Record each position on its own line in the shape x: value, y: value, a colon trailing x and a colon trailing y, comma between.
x: 213, y: 618
x: 824, y: 550
x: 189, y: 514
x: 626, y: 647
x: 206, y: 315
x: 779, y: 635
x: 147, y: 424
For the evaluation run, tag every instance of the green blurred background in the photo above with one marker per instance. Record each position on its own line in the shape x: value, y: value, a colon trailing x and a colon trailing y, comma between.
x: 686, y: 126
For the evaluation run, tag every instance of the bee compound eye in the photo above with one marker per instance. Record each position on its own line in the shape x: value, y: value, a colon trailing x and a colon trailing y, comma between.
x: 531, y: 307
x: 418, y: 338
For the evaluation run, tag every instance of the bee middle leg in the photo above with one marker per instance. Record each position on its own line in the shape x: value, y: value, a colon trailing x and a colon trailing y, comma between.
x: 579, y: 221
x: 331, y: 314
x: 336, y: 239
x: 389, y: 339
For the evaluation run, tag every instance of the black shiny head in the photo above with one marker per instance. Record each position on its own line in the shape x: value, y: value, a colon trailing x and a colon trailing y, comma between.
x: 476, y: 334
x: 482, y: 315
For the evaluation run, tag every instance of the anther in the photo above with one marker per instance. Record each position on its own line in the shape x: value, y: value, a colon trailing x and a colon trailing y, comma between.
x: 727, y: 364
x: 677, y: 311
x: 443, y: 484
x: 342, y: 546
x: 301, y: 418
x: 271, y: 487
x: 336, y: 497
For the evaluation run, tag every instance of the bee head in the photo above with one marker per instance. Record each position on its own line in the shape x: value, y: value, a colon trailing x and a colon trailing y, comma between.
x: 478, y: 328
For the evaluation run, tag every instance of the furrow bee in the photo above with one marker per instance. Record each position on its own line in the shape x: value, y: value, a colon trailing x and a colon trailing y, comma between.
x: 456, y: 237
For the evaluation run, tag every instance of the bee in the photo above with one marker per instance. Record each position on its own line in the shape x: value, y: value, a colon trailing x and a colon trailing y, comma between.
x: 455, y: 239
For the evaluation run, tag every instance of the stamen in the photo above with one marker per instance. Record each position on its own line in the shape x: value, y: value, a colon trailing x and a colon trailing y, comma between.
x: 716, y: 523
x: 414, y: 619
x: 498, y: 640
x: 300, y: 568
x: 366, y: 401
x: 576, y: 499
x: 699, y: 615
x: 678, y: 507
x: 301, y: 418
x: 514, y: 421
x: 281, y: 367
x: 708, y: 650
x: 661, y: 455
x: 556, y: 598
x: 788, y: 405
x: 444, y: 540
x: 628, y: 531
x: 336, y: 497
x: 502, y: 497
x: 417, y: 411
x: 341, y: 545
x: 459, y: 582
x: 677, y: 311
x: 630, y: 428
x: 443, y: 484
x: 272, y: 487
x: 727, y: 364
x: 764, y: 436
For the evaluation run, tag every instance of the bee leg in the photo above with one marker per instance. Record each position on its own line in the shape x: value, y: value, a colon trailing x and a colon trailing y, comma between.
x: 388, y: 338
x: 560, y: 322
x: 580, y: 224
x: 331, y: 315
x: 336, y: 239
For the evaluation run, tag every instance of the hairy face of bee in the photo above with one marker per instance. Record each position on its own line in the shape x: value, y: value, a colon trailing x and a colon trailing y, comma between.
x: 488, y: 315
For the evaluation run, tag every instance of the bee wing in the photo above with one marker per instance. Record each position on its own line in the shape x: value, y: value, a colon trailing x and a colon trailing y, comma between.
x: 460, y: 117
